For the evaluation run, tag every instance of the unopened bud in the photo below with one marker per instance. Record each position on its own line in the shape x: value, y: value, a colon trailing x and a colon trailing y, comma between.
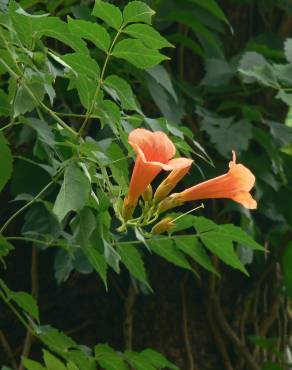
x: 165, y: 224
x: 169, y: 202
x: 172, y: 179
x: 148, y: 193
x: 163, y: 190
x: 128, y: 208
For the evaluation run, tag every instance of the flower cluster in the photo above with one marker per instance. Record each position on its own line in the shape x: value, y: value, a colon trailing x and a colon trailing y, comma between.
x: 155, y: 152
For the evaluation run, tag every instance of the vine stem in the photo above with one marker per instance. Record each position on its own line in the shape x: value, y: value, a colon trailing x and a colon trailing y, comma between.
x: 16, y: 313
x: 100, y: 82
x: 7, y: 126
x: 3, y: 228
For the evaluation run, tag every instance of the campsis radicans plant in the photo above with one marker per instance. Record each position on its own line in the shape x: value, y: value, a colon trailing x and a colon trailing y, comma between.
x: 155, y: 152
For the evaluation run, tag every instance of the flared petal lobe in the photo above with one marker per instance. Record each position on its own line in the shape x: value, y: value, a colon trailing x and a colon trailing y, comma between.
x: 235, y: 184
x: 154, y: 150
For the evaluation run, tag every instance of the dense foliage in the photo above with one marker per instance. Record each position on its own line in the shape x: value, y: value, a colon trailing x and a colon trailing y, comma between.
x: 76, y: 79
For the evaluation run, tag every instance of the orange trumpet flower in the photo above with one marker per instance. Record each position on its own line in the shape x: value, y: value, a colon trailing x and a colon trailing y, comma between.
x: 154, y: 152
x: 235, y: 184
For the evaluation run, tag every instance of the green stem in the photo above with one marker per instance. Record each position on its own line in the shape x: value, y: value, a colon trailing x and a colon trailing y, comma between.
x: 100, y: 82
x: 17, y: 314
x: 7, y: 126
x: 3, y: 228
x: 31, y: 240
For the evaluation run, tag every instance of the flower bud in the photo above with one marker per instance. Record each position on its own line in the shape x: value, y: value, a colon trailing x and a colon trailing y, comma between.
x: 165, y: 224
x: 169, y: 202
x: 128, y: 208
x: 172, y: 179
x: 148, y: 193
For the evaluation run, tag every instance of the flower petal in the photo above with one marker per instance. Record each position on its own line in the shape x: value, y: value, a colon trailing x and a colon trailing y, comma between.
x: 179, y: 163
x: 156, y: 146
x: 245, y: 199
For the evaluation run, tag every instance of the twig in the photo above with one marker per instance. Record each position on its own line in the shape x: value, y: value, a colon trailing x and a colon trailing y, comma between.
x: 185, y: 328
x: 233, y: 337
x: 210, y: 315
x: 79, y: 327
x: 7, y: 350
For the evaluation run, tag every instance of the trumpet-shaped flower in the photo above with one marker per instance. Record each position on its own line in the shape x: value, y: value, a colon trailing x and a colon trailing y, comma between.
x: 154, y: 153
x: 235, y: 184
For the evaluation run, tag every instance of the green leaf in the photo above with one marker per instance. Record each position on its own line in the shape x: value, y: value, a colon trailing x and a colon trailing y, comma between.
x: 73, y: 193
x: 24, y: 102
x: 52, y: 362
x: 54, y: 27
x: 121, y: 90
x: 82, y: 360
x: 134, y: 52
x: 131, y: 258
x: 137, y: 11
x: 249, y: 62
x: 221, y: 244
x: 90, y: 31
x: 83, y: 225
x: 109, y: 13
x: 148, y: 35
x: 26, y: 302
x: 191, y: 246
x: 240, y: 236
x: 212, y: 7
x: 157, y: 359
x: 43, y: 130
x: 4, y: 104
x: 161, y: 76
x: 108, y: 358
x: 39, y: 220
x: 198, y: 28
x: 82, y: 65
x: 166, y: 249
x: 5, y: 247
x: 109, y: 114
x: 32, y: 27
x: 222, y: 247
x: 6, y: 161
x: 226, y: 134
x: 138, y: 362
x: 285, y: 97
x: 218, y: 72
x: 63, y: 265
x: 118, y: 165
x: 188, y: 42
x: 71, y: 366
x: 31, y: 365
x: 97, y: 260
x: 86, y: 88
x: 55, y: 339
x: 112, y: 256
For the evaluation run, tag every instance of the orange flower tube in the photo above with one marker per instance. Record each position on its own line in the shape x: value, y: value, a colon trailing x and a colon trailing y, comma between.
x: 154, y: 153
x: 235, y: 184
